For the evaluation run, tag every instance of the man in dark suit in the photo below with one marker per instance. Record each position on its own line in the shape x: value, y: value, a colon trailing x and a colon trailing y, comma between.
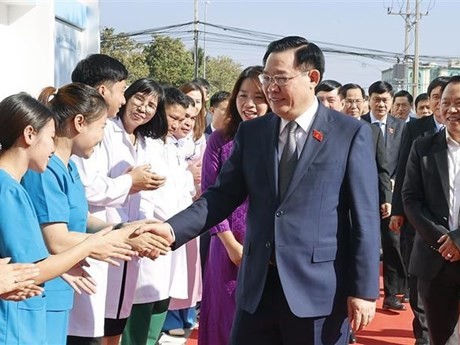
x: 424, y: 126
x: 305, y: 272
x: 394, y: 271
x: 352, y: 100
x: 352, y: 97
x: 431, y: 203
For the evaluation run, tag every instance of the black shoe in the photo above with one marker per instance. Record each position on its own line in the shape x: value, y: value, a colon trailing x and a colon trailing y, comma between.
x: 352, y: 338
x: 393, y: 303
x: 422, y: 341
x: 405, y: 298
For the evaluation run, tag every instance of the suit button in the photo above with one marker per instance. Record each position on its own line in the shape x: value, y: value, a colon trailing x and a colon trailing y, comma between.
x: 268, y: 244
x: 279, y: 213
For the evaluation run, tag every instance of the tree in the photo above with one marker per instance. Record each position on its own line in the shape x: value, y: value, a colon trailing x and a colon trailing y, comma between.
x: 127, y: 50
x: 169, y: 61
x: 222, y: 72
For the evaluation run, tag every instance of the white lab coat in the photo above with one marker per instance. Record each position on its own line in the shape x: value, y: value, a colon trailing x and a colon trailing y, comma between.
x: 107, y: 189
x: 161, y: 204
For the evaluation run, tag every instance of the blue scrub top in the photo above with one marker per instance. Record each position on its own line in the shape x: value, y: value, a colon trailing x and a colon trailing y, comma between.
x: 58, y: 197
x: 21, y: 239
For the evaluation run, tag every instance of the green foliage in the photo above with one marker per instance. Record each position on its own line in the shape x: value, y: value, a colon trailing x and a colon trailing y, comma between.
x: 127, y: 50
x: 169, y: 61
x: 222, y: 72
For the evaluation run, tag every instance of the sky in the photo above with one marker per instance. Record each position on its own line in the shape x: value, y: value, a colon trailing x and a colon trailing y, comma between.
x: 338, y: 23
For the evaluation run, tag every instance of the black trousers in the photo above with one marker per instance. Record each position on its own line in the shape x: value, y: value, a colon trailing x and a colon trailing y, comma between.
x: 419, y: 323
x: 273, y: 323
x: 394, y: 270
x: 440, y: 297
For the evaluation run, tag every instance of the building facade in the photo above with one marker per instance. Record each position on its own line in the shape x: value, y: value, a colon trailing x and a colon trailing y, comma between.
x: 43, y: 40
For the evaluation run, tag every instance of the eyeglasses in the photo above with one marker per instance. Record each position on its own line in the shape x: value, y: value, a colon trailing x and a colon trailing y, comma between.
x: 149, y: 108
x: 279, y: 80
x: 349, y: 102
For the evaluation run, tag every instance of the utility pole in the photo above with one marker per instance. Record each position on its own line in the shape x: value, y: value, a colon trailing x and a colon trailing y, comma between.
x: 195, y: 38
x: 415, y: 68
x: 411, y: 21
x: 208, y: 2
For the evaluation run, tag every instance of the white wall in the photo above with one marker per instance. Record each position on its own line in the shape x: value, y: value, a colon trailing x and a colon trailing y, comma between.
x: 27, y: 46
x: 31, y: 56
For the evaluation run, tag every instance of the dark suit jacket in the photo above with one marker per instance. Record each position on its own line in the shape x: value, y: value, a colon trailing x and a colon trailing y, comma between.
x: 385, y: 194
x: 393, y: 135
x: 413, y: 130
x: 320, y: 259
x: 425, y: 197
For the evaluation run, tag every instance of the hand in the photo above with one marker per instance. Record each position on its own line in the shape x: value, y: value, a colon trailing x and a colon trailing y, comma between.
x: 163, y: 230
x: 80, y: 280
x: 448, y: 249
x: 360, y: 312
x: 235, y: 253
x: 385, y: 210
x: 110, y: 244
x: 144, y: 179
x: 15, y: 277
x: 195, y: 169
x: 23, y: 293
x: 396, y: 222
x: 145, y: 244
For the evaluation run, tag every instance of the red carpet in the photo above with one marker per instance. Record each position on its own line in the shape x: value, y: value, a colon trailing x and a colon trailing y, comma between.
x: 387, y: 328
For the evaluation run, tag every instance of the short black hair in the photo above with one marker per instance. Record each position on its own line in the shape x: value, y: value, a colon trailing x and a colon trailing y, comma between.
x: 98, y: 69
x: 380, y: 87
x: 327, y: 86
x: 422, y: 97
x: 404, y: 93
x: 307, y: 55
x: 219, y: 97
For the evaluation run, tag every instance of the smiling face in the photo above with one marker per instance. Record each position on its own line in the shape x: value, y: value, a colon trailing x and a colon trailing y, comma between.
x: 450, y: 109
x: 90, y: 135
x: 41, y: 145
x: 139, y: 110
x: 114, y: 96
x: 186, y: 125
x: 250, y: 100
x: 297, y: 95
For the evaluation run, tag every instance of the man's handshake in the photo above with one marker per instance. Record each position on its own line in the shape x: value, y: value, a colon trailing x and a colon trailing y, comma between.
x: 152, y: 239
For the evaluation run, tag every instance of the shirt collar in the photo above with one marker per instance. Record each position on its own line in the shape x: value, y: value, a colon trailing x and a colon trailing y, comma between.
x: 437, y: 123
x: 374, y: 119
x: 305, y: 120
x: 451, y: 143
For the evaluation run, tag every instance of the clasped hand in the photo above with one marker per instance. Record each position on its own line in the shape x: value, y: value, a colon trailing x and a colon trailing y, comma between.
x: 448, y: 249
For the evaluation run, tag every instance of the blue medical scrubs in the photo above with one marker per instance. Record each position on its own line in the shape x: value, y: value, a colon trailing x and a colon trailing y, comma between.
x: 58, y: 197
x: 21, y: 239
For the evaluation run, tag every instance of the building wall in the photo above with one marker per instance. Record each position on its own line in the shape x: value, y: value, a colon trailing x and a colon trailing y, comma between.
x: 40, y: 49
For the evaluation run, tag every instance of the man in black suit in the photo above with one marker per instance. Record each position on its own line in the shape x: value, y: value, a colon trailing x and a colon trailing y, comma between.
x: 352, y: 103
x: 305, y: 272
x: 394, y: 271
x: 431, y: 202
x: 352, y: 98
x: 424, y: 126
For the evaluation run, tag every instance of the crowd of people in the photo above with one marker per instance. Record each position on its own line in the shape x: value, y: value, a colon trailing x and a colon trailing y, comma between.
x: 134, y: 211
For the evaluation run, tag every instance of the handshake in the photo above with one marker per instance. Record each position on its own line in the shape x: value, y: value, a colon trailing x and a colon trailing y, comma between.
x: 150, y: 239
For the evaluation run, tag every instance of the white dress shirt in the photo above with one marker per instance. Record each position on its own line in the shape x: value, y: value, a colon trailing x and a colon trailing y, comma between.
x: 453, y: 163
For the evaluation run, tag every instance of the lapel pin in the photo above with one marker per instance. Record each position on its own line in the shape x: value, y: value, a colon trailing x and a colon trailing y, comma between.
x: 318, y: 135
x: 391, y: 130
